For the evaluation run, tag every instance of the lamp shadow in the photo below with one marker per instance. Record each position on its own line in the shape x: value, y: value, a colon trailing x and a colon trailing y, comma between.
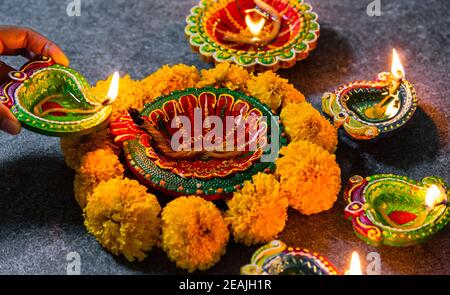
x: 35, y: 190
x: 417, y: 142
x: 398, y: 260
x: 329, y: 61
x: 157, y: 262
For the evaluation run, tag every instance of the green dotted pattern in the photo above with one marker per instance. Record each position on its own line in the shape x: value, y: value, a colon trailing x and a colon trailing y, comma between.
x: 298, y: 48
x: 167, y: 181
x: 397, y: 186
x: 65, y: 125
x: 335, y: 104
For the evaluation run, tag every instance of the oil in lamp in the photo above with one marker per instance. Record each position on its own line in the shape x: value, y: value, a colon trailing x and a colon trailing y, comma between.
x: 54, y: 100
x: 259, y: 35
x: 255, y: 34
x: 394, y: 210
x: 368, y: 110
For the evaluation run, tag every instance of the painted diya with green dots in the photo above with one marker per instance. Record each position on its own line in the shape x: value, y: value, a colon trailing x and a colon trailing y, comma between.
x: 51, y: 99
x: 256, y: 34
x: 276, y: 258
x: 204, y: 141
x: 369, y: 110
x: 396, y: 211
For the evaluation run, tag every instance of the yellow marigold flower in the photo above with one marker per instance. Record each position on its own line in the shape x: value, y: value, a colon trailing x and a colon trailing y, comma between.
x: 226, y: 75
x: 290, y: 94
x: 168, y: 79
x: 258, y: 212
x: 97, y: 166
x: 309, y: 176
x: 272, y: 90
x: 194, y: 233
x: 123, y: 217
x: 131, y: 94
x: 303, y: 122
x: 74, y: 148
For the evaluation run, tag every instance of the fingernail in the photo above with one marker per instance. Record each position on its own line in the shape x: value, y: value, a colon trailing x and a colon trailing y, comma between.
x: 10, y: 126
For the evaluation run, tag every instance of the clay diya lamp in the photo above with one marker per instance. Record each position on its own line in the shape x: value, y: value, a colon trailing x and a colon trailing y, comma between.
x: 276, y: 258
x: 191, y: 167
x: 369, y: 110
x: 54, y: 100
x: 395, y: 210
x: 256, y: 34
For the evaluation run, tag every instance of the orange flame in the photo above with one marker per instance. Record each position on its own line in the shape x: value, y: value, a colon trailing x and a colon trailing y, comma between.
x: 434, y: 196
x: 397, y: 68
x: 255, y: 26
x: 113, y: 90
x: 355, y: 265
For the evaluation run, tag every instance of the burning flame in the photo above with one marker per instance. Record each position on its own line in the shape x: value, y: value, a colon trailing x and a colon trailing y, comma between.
x: 397, y: 68
x: 355, y: 265
x: 255, y: 27
x: 434, y: 196
x: 113, y: 88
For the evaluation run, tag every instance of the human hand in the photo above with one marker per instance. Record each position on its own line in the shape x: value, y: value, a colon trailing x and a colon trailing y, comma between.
x: 8, y: 122
x: 28, y: 43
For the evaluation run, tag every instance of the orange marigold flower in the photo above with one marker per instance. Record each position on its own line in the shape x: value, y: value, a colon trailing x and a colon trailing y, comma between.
x: 123, y: 217
x: 272, y: 90
x: 97, y: 166
x: 226, y: 75
x: 303, y: 122
x: 74, y: 148
x: 309, y: 176
x: 194, y: 233
x: 290, y: 94
x: 258, y: 212
x: 168, y: 79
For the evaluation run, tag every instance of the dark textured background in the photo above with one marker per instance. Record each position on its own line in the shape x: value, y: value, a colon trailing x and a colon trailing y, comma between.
x: 40, y: 221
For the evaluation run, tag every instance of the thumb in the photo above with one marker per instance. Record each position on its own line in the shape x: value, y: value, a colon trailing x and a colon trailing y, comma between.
x: 8, y: 122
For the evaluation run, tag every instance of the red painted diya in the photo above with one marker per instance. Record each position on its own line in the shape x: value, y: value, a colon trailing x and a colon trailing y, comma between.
x: 188, y: 166
x: 256, y: 34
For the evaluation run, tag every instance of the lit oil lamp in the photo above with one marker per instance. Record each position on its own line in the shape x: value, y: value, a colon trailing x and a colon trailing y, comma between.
x: 55, y: 100
x: 276, y: 258
x: 396, y: 211
x: 371, y: 109
x: 256, y: 34
x: 255, y: 20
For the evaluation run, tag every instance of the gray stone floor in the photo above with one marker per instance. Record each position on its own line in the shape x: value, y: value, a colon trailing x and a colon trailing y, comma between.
x: 40, y: 223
